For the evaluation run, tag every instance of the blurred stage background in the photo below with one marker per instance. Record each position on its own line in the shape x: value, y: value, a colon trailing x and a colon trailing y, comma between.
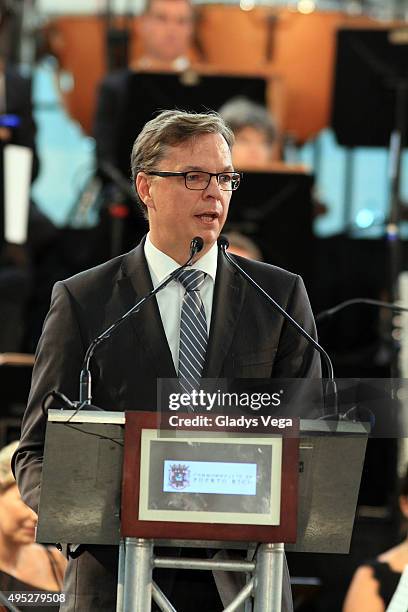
x: 331, y: 203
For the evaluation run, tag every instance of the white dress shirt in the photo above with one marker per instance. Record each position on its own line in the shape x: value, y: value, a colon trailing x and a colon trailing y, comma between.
x: 170, y: 299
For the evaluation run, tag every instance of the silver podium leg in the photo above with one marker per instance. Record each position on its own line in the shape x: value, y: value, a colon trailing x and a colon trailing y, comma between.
x: 269, y: 574
x: 121, y: 577
x: 137, y: 596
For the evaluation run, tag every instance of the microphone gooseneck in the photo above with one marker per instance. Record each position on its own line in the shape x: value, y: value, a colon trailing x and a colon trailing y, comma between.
x: 85, y: 381
x: 223, y: 243
x: 325, y: 314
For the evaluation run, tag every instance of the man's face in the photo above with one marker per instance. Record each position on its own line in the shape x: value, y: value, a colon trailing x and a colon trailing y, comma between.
x: 167, y: 29
x: 178, y: 214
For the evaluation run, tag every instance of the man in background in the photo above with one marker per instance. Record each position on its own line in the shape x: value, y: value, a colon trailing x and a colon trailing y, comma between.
x: 166, y: 35
x: 166, y: 31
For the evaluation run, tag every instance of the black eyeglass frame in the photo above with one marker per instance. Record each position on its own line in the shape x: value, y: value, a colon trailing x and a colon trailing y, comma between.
x: 165, y: 174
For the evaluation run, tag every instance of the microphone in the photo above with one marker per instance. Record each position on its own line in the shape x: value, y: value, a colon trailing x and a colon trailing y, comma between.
x: 325, y: 314
x: 85, y: 381
x: 224, y: 244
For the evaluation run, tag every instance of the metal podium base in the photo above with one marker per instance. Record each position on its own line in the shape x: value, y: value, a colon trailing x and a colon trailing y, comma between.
x: 136, y: 588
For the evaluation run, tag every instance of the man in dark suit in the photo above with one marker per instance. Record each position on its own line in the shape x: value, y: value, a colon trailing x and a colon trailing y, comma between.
x: 184, y: 177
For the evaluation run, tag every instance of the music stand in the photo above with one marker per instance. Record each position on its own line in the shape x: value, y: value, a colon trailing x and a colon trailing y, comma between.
x: 370, y: 74
x: 275, y: 210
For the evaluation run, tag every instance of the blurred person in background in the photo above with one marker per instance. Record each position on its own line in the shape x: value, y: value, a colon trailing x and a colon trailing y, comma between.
x: 243, y: 246
x: 166, y: 31
x: 256, y: 138
x: 375, y: 582
x: 24, y: 565
x: 166, y: 36
x: 15, y: 103
x: 18, y: 262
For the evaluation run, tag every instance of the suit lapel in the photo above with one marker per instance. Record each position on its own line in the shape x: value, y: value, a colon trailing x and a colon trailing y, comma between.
x: 229, y: 292
x: 147, y: 324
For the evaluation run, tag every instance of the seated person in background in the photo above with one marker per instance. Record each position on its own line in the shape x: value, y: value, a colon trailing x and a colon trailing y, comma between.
x: 166, y: 31
x: 24, y: 565
x: 243, y: 246
x: 375, y: 582
x: 257, y: 143
x: 15, y: 283
x: 256, y: 138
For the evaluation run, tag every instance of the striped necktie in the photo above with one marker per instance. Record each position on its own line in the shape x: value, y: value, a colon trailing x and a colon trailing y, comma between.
x: 193, y: 331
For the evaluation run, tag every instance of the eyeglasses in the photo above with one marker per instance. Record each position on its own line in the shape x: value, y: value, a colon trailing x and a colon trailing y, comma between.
x: 198, y: 180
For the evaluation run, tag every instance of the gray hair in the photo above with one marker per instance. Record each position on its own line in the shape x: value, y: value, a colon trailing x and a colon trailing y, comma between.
x: 240, y: 112
x: 171, y: 128
x: 148, y: 6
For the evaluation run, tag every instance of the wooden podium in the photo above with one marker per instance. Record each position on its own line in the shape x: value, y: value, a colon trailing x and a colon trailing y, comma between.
x: 208, y: 486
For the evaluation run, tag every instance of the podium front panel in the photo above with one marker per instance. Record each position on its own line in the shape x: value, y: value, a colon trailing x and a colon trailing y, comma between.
x: 81, y: 485
x: 81, y: 479
x: 151, y: 510
x: 331, y: 462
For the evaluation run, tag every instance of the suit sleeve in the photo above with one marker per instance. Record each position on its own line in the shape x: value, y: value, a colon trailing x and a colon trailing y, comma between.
x: 57, y: 366
x: 296, y: 357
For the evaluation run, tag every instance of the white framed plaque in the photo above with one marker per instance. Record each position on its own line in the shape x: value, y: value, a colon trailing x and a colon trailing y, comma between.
x: 220, y: 477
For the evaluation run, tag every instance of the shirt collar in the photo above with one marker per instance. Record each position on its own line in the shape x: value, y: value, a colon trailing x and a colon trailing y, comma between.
x: 161, y: 265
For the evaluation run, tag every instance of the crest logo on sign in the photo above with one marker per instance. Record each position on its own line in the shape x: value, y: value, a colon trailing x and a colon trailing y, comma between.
x: 179, y: 476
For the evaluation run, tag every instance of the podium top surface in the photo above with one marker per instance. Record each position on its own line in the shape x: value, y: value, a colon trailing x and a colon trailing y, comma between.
x: 86, y: 416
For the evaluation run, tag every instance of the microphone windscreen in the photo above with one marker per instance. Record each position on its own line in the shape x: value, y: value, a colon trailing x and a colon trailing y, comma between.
x: 223, y: 242
x: 197, y: 244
